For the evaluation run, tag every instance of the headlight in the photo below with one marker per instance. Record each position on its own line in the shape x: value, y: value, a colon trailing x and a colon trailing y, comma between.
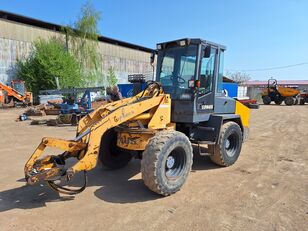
x: 182, y: 42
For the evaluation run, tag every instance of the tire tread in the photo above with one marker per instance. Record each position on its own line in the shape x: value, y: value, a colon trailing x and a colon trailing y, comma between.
x: 217, y: 156
x: 150, y: 159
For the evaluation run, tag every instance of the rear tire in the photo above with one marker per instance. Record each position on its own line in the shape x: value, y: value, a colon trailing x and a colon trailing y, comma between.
x: 110, y: 154
x: 289, y: 101
x: 166, y: 162
x: 229, y: 145
x: 302, y: 101
x: 266, y: 100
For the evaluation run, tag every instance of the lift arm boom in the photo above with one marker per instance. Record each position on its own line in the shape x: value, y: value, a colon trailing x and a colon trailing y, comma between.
x: 12, y: 92
x: 86, y: 145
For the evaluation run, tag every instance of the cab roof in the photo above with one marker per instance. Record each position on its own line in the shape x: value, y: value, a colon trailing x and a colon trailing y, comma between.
x: 189, y: 41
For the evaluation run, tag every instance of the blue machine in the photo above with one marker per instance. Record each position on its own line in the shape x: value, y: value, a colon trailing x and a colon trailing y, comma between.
x: 66, y: 108
x: 73, y: 107
x: 86, y: 101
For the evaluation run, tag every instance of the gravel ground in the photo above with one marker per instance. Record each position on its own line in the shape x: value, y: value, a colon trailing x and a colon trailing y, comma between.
x: 266, y: 189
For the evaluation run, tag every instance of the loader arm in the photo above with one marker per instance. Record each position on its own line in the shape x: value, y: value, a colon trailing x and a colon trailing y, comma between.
x: 12, y: 92
x: 85, y: 147
x: 117, y: 116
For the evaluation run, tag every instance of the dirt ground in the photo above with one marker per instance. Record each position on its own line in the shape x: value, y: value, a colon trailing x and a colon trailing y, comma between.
x: 266, y: 189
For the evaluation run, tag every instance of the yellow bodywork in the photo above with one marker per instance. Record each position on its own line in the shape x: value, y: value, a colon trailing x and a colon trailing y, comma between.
x: 244, y: 113
x: 134, y: 141
x: 137, y: 139
x: 151, y: 107
x: 283, y: 91
x: 135, y: 119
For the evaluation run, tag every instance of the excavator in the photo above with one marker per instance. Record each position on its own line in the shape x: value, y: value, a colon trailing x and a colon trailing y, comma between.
x: 16, y: 94
x: 184, y: 107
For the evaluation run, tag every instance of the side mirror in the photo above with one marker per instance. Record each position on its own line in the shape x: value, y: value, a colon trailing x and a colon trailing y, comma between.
x: 207, y: 52
x: 152, y: 58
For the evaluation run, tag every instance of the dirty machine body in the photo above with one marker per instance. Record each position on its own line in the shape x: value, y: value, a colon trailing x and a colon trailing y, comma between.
x: 183, y: 108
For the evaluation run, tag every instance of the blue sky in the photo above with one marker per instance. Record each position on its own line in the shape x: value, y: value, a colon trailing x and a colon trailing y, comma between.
x: 258, y: 34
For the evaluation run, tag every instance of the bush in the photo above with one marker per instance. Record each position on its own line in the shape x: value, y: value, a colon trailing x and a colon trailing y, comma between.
x: 49, y: 59
x: 111, y: 77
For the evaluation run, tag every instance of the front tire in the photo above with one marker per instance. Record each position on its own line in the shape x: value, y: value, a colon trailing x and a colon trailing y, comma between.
x: 229, y: 145
x: 266, y: 100
x: 111, y: 156
x: 166, y: 162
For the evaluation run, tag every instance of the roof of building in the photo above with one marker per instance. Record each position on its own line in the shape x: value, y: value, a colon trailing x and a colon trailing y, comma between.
x: 55, y: 27
x: 280, y: 82
x: 227, y: 80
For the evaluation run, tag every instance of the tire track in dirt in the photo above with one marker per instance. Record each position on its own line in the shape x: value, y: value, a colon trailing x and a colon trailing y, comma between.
x: 268, y: 168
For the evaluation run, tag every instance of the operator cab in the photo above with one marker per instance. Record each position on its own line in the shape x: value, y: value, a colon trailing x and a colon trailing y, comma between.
x: 191, y: 71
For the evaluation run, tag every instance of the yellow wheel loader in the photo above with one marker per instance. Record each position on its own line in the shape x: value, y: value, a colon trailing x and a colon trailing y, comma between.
x: 185, y: 106
x: 278, y: 94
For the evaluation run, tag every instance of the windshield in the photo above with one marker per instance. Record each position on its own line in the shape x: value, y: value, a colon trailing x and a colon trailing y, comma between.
x: 19, y: 87
x: 176, y: 66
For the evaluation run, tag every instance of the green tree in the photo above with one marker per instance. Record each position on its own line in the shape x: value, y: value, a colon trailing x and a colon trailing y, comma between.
x: 49, y: 59
x: 111, y: 77
x: 82, y: 42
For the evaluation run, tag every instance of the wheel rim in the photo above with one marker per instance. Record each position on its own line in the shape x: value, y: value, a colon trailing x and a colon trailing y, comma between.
x: 231, y: 145
x: 175, y: 164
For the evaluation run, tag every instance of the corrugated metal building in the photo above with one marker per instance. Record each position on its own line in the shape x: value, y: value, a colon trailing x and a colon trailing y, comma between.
x: 17, y: 33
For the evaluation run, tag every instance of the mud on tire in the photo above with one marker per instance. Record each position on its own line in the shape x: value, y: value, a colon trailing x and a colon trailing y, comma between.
x: 228, y: 147
x: 166, y: 162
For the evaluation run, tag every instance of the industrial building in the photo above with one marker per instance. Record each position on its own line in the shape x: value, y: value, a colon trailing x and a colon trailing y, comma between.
x: 17, y: 33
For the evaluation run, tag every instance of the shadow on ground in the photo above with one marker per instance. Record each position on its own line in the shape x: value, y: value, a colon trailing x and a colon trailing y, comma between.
x: 27, y: 197
x: 116, y: 186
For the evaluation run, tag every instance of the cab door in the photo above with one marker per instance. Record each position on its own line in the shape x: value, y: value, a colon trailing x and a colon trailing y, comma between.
x: 207, y: 73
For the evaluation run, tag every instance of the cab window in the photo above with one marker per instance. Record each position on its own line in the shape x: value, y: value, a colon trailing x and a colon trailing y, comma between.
x: 220, y: 72
x: 207, y: 71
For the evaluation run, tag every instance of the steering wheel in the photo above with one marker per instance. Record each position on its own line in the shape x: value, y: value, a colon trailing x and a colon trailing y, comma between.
x: 180, y: 80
